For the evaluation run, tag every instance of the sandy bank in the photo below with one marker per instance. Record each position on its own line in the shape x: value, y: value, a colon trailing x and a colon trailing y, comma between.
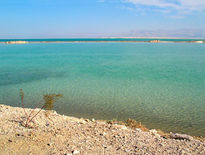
x: 16, y: 42
x: 58, y: 134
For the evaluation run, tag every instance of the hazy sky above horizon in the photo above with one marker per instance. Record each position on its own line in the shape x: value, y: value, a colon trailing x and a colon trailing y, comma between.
x: 101, y: 18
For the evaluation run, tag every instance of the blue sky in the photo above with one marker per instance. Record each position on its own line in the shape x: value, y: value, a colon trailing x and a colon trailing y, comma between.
x: 101, y: 18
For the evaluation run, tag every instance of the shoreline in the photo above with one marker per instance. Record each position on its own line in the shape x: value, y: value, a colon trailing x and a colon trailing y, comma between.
x: 83, y: 136
x: 110, y: 41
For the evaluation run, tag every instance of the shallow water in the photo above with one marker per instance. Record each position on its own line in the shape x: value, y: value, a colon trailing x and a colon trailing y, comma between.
x: 162, y: 85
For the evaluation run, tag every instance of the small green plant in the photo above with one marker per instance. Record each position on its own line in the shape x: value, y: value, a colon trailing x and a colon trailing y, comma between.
x: 49, y: 100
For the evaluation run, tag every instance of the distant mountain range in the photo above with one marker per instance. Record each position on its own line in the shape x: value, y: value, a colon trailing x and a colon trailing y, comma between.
x: 179, y: 33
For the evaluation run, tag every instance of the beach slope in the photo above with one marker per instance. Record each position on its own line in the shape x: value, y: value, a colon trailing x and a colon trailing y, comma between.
x: 57, y: 134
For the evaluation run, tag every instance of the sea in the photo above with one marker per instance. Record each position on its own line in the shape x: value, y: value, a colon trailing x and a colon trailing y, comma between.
x: 161, y: 85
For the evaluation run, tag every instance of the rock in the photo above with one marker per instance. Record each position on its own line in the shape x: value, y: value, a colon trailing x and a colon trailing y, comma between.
x: 47, y: 123
x: 10, y: 140
x: 124, y: 128
x: 18, y: 134
x: 103, y: 134
x: 154, y: 132
x: 75, y: 152
x: 54, y: 112
x: 181, y: 136
x: 93, y: 120
x: 87, y: 120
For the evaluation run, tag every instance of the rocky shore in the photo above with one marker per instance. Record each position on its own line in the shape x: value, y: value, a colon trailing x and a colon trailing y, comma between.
x: 51, y: 133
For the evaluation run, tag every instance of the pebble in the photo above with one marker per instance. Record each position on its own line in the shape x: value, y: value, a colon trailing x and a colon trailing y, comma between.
x: 93, y: 120
x: 75, y: 152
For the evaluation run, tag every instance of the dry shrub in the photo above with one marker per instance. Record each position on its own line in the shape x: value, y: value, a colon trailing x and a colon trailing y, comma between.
x: 121, y: 123
x: 129, y: 123
x: 113, y: 121
x: 134, y: 124
x: 49, y: 100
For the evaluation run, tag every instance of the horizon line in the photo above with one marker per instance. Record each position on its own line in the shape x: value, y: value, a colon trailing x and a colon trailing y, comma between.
x: 108, y: 38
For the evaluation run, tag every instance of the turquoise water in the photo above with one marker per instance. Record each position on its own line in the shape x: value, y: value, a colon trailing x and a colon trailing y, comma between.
x: 162, y: 85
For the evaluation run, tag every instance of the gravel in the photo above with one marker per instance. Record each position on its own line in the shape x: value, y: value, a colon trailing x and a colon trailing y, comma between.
x: 58, y: 134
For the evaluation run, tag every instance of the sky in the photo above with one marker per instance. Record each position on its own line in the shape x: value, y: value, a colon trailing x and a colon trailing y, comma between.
x: 102, y: 18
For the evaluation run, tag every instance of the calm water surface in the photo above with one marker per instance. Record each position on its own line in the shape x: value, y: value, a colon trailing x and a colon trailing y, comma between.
x: 161, y: 85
